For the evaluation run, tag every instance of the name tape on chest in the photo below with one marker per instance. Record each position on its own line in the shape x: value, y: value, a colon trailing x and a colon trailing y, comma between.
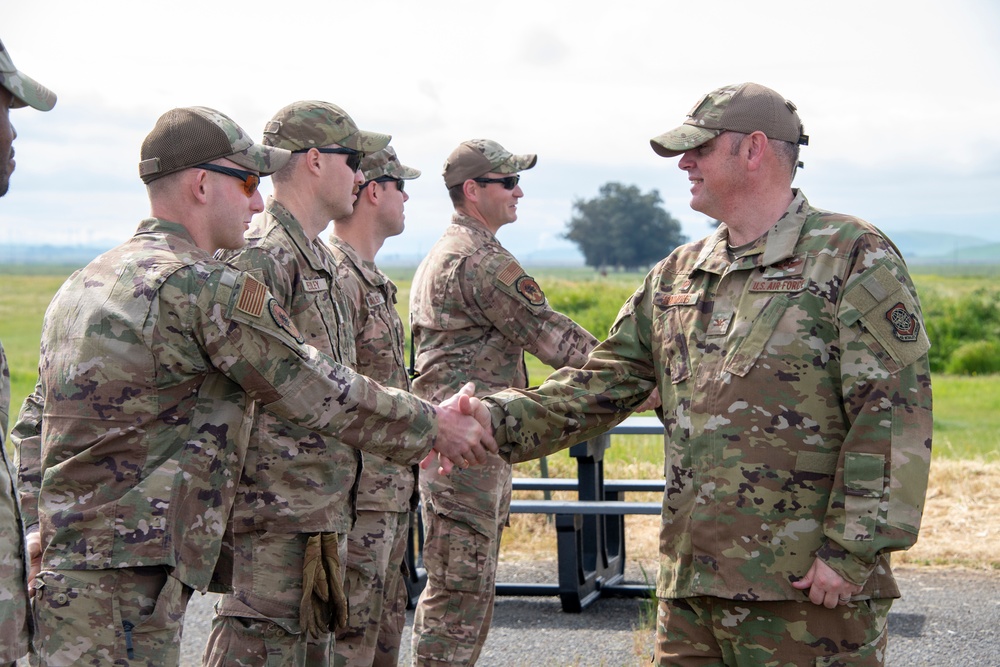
x: 374, y: 299
x: 664, y: 300
x: 315, y: 285
x: 777, y: 284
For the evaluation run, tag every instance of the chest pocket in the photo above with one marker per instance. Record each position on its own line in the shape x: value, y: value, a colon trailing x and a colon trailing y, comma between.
x: 745, y: 354
x: 669, y: 330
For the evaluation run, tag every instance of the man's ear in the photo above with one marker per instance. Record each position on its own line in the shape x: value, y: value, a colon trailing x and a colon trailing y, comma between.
x: 755, y: 146
x: 470, y: 190
x: 197, y: 184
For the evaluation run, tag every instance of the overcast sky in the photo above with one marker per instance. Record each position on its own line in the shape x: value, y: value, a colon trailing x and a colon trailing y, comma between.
x: 901, y: 98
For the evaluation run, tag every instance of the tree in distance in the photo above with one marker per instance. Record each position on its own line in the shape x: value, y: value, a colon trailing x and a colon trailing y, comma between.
x: 623, y: 228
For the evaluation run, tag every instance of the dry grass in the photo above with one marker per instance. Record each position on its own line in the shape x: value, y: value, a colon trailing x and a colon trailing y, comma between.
x: 961, y: 523
x: 961, y: 526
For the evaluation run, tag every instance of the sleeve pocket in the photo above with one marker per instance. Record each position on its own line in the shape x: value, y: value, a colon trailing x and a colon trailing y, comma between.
x: 864, y: 485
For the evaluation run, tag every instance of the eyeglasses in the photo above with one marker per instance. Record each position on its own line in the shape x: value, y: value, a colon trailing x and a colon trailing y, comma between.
x: 250, y: 179
x: 385, y: 179
x: 353, y: 156
x: 508, y: 182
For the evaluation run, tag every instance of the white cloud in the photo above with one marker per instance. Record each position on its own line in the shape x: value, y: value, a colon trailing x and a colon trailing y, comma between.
x: 899, y: 97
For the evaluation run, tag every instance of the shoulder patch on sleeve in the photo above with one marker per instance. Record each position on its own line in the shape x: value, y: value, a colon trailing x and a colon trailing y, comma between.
x: 510, y: 273
x: 886, y: 309
x: 251, y: 298
x: 529, y: 289
x: 282, y: 319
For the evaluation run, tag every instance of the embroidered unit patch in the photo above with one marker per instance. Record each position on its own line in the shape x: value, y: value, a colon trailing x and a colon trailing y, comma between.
x: 283, y: 321
x: 529, y: 289
x: 905, y: 325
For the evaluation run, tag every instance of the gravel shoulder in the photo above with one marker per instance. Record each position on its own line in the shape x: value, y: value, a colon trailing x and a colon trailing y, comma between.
x: 946, y: 617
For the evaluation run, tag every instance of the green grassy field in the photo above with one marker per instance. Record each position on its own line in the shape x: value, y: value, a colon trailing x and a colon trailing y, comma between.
x: 966, y: 409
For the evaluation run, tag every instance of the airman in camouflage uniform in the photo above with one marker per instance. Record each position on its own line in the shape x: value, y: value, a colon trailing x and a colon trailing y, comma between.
x: 16, y: 90
x: 376, y: 546
x: 153, y: 360
x: 473, y: 313
x: 296, y: 482
x: 791, y: 359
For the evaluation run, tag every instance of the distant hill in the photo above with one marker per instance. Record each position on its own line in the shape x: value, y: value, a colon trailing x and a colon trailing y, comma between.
x: 945, y: 247
x: 77, y: 256
x: 917, y: 248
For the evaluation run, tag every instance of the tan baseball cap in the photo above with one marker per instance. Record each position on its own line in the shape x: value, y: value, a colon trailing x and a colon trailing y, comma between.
x: 189, y: 136
x: 313, y: 124
x: 385, y: 163
x: 476, y: 157
x: 26, y: 91
x: 746, y: 108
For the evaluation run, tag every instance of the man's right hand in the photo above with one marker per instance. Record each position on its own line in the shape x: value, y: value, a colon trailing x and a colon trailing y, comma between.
x: 465, y: 434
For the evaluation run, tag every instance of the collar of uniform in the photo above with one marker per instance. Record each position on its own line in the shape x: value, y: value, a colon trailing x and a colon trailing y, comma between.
x: 713, y: 257
x: 473, y: 224
x: 311, y: 250
x: 372, y: 277
x: 167, y: 228
x: 784, y: 235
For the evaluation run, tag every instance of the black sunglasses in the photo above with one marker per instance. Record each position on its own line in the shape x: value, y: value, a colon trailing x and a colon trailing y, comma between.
x: 353, y: 156
x: 250, y: 179
x: 508, y: 182
x: 385, y: 179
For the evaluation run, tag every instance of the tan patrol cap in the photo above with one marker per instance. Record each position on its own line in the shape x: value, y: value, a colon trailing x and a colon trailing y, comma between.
x: 190, y: 136
x: 744, y: 108
x: 313, y: 124
x: 26, y: 91
x: 385, y: 163
x: 476, y: 157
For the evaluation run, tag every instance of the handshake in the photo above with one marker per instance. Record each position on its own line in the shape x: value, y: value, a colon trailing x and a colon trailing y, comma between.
x: 465, y: 432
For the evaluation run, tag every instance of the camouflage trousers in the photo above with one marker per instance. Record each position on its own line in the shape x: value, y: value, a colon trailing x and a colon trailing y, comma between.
x: 258, y: 623
x: 454, y: 612
x: 125, y: 616
x: 713, y: 632
x: 375, y: 589
x: 14, y: 609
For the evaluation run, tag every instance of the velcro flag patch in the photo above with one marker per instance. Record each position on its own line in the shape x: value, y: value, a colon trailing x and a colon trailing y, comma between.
x: 510, y: 273
x: 252, y: 293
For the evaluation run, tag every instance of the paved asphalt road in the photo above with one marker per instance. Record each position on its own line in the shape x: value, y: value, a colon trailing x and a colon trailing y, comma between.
x: 946, y: 618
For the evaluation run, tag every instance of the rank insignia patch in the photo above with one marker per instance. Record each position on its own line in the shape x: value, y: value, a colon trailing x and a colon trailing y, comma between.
x: 529, y: 289
x: 905, y: 325
x: 282, y: 319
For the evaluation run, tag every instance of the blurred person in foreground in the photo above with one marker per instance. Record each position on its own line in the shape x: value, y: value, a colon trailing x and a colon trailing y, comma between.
x: 790, y: 355
x: 474, y: 312
x: 154, y: 359
x: 16, y: 90
x: 375, y: 584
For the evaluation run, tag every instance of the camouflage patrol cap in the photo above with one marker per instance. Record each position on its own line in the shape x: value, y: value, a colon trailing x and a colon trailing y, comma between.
x: 188, y: 136
x: 25, y: 90
x: 474, y: 158
x: 385, y: 163
x: 745, y: 108
x: 311, y: 123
